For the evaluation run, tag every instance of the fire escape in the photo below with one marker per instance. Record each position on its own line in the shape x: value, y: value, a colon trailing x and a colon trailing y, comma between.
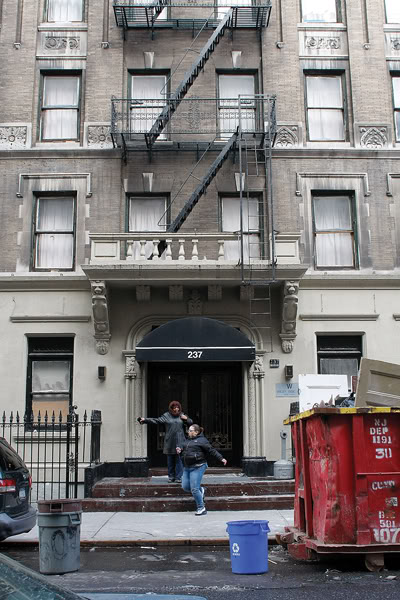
x: 248, y: 139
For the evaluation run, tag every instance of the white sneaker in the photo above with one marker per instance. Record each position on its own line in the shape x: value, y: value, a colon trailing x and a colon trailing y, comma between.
x: 200, y: 511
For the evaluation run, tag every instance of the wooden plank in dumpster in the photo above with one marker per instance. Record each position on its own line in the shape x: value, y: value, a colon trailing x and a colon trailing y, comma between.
x: 379, y: 384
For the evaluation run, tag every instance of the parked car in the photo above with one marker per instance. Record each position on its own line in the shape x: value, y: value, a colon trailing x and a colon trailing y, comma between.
x: 21, y: 583
x: 16, y: 513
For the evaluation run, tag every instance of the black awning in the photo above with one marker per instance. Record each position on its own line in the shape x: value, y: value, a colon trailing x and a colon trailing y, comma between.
x: 195, y: 339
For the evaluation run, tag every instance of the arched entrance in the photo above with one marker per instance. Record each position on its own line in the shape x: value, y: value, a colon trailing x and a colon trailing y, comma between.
x: 197, y: 361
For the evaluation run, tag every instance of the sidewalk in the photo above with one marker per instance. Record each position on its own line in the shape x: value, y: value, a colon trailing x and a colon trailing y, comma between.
x: 166, y: 528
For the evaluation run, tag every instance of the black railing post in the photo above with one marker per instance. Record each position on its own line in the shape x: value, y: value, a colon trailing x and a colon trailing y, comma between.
x: 95, y: 437
x: 76, y: 452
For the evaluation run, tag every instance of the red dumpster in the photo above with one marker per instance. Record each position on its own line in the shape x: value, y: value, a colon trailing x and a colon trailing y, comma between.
x: 347, y: 480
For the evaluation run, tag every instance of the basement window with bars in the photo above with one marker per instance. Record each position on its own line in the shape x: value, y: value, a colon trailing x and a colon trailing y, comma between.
x: 146, y: 214
x: 319, y: 11
x: 249, y: 224
x: 339, y: 355
x: 60, y: 107
x: 49, y: 376
x: 148, y: 98
x: 54, y: 233
x: 392, y: 9
x: 334, y: 230
x: 64, y: 11
x: 230, y: 87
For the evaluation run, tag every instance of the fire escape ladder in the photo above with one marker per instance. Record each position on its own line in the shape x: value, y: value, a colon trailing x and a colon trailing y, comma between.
x: 202, y: 187
x: 188, y: 79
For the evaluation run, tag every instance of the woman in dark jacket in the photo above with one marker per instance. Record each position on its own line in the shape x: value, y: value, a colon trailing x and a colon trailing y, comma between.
x: 175, y: 422
x: 195, y: 451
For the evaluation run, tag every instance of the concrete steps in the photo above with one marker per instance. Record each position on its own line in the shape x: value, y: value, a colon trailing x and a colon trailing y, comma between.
x: 223, y: 492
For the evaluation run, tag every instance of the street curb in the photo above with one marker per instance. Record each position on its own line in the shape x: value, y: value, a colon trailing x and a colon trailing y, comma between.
x: 132, y: 543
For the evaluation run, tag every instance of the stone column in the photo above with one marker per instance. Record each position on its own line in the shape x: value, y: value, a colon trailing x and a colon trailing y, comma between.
x: 136, y: 461
x: 254, y: 464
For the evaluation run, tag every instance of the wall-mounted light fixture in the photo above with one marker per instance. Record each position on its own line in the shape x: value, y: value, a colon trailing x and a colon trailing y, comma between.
x: 289, y: 371
x: 101, y: 373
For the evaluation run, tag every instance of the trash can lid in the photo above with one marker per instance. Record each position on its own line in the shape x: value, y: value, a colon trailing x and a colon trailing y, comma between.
x: 59, y: 505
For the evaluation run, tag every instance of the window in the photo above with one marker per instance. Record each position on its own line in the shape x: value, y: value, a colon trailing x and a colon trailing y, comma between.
x: 223, y: 6
x: 141, y: 14
x: 321, y: 11
x: 49, y: 379
x: 333, y: 231
x: 339, y: 355
x: 396, y: 105
x: 325, y: 107
x: 54, y: 225
x: 392, y: 11
x: 148, y: 93
x: 64, y: 11
x: 230, y: 220
x: 60, y: 107
x: 230, y: 88
x: 147, y: 214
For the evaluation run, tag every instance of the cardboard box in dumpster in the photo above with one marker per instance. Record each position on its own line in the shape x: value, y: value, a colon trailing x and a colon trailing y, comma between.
x: 378, y: 384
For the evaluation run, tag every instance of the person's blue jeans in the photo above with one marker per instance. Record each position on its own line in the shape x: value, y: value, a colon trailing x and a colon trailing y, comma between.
x: 191, y: 482
x: 175, y: 466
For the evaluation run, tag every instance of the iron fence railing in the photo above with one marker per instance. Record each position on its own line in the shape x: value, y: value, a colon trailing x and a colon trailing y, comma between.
x: 56, y: 449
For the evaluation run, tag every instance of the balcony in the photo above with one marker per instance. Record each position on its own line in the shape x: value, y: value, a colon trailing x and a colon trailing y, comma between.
x: 186, y: 257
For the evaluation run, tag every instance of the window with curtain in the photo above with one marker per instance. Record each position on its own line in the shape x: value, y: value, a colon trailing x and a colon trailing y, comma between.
x: 396, y: 105
x: 321, y: 11
x: 64, y: 11
x: 60, y: 107
x: 325, y: 108
x: 224, y: 5
x: 147, y: 214
x: 49, y: 377
x: 54, y: 233
x: 230, y: 88
x: 142, y: 15
x: 392, y: 8
x: 232, y: 222
x: 333, y: 231
x: 148, y: 93
x: 339, y: 355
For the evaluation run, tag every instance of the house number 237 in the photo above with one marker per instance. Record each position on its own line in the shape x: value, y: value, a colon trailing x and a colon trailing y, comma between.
x: 194, y: 353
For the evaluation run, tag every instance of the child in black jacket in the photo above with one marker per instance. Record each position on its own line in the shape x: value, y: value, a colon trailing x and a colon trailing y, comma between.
x: 195, y: 451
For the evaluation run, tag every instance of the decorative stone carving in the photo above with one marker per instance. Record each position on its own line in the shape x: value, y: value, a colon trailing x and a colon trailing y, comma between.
x: 215, y: 292
x: 58, y: 42
x: 130, y: 367
x: 195, y: 303
x: 322, y: 42
x: 99, y: 136
x: 258, y: 368
x: 395, y: 43
x: 13, y: 137
x: 287, y: 136
x: 175, y: 293
x: 289, y: 315
x: 373, y: 137
x: 100, y: 316
x: 143, y: 293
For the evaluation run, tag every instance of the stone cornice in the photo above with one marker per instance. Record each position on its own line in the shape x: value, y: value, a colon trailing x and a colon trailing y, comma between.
x: 339, y: 317
x: 37, y: 282
x: 50, y: 318
x: 351, y: 281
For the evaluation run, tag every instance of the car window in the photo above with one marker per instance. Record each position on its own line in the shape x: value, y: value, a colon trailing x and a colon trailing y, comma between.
x: 9, y: 459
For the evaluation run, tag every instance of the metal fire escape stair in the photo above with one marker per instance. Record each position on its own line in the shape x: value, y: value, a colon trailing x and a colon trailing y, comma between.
x: 202, y: 187
x: 188, y: 79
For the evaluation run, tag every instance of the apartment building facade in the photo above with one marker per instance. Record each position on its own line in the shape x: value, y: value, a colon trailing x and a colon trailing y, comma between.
x: 200, y: 202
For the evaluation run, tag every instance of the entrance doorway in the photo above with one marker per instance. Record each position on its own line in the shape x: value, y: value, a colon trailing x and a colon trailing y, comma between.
x: 210, y: 394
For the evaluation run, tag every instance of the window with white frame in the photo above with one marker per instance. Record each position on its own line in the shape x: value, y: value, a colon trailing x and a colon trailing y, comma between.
x: 223, y: 6
x: 320, y: 11
x: 147, y: 215
x: 245, y: 218
x: 60, y: 107
x: 230, y: 88
x: 49, y: 377
x: 334, y: 230
x: 392, y: 8
x: 54, y: 233
x: 325, y: 107
x: 396, y: 104
x: 148, y: 93
x: 64, y: 11
x: 339, y: 355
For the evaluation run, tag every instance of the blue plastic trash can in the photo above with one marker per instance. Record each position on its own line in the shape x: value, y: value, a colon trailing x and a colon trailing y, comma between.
x: 248, y: 543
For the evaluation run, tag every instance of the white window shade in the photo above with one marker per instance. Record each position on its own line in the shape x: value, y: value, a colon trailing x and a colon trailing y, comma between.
x: 60, y: 107
x: 334, y: 235
x: 250, y: 227
x: 50, y: 376
x: 325, y: 108
x: 148, y: 93
x: 230, y: 88
x: 392, y: 11
x: 147, y: 215
x: 54, y: 233
x: 319, y: 10
x: 64, y: 10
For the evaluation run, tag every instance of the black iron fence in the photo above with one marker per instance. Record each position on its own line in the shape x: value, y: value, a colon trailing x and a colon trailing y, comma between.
x: 56, y: 450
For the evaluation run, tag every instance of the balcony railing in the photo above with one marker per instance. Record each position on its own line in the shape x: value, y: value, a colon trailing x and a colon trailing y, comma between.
x: 138, y: 248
